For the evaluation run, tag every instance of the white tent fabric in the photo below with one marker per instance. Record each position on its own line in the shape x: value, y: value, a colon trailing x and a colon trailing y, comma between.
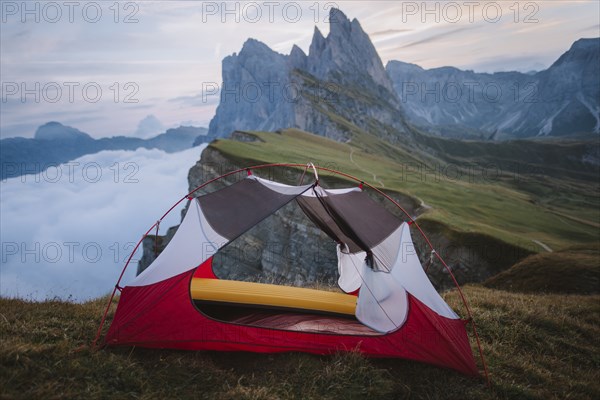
x: 382, y: 298
x: 318, y: 190
x: 351, y: 267
x: 385, y: 253
x: 382, y: 303
x: 409, y: 272
x: 281, y: 187
x: 194, y: 242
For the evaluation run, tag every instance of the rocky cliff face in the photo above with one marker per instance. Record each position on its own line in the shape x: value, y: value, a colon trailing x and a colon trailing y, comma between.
x: 346, y: 56
x: 570, y: 92
x: 562, y: 100
x: 339, y: 86
x: 254, y: 94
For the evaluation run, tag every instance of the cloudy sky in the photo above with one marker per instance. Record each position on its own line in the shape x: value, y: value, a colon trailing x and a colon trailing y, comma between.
x: 104, y: 67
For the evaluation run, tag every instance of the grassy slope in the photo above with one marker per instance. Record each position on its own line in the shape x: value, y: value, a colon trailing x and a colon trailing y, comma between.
x: 496, y: 207
x: 574, y: 270
x: 537, y: 346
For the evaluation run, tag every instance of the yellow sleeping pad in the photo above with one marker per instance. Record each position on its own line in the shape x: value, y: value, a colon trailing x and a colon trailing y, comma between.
x: 265, y: 295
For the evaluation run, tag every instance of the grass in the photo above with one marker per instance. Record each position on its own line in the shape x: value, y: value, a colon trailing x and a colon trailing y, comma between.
x: 537, y: 347
x: 575, y: 270
x: 519, y: 210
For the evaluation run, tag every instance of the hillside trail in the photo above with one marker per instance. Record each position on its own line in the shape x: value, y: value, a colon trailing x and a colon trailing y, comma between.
x: 352, y: 149
x: 379, y: 181
x: 544, y: 246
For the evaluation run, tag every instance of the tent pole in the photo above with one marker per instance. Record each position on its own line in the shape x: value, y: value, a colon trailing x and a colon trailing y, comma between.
x: 99, y: 332
x: 302, y: 176
x: 156, y: 240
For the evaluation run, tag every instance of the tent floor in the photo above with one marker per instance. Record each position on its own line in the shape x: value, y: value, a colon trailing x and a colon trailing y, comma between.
x: 284, y: 319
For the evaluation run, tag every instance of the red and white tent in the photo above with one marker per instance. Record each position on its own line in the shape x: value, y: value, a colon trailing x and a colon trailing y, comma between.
x: 398, y: 311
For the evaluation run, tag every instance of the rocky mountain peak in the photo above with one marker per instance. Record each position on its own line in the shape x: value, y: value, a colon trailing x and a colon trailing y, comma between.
x: 253, y: 88
x: 255, y: 47
x: 582, y: 51
x: 339, y: 24
x: 347, y: 52
x: 587, y: 44
x: 395, y: 66
x: 318, y: 43
x: 302, y: 91
x: 297, y: 58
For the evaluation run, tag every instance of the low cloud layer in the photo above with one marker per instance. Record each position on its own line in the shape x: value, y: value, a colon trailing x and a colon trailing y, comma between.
x: 67, y: 232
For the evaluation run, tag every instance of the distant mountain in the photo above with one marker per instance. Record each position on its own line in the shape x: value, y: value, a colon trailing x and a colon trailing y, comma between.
x: 339, y: 86
x: 562, y: 100
x: 57, y: 131
x: 55, y: 143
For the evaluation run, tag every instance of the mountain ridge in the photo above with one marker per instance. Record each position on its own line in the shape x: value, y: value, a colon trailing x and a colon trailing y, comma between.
x: 560, y: 101
x: 342, y: 82
x: 55, y: 143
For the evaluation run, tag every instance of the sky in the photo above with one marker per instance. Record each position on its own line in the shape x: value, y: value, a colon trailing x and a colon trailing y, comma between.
x: 135, y: 68
x: 67, y: 232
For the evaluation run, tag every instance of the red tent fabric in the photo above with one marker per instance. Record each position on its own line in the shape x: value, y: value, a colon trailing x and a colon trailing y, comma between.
x: 163, y: 316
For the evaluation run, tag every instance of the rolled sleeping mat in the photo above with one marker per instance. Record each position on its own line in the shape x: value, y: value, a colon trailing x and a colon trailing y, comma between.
x: 264, y: 295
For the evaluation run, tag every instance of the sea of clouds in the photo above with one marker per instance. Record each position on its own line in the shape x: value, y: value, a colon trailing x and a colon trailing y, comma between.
x: 67, y: 232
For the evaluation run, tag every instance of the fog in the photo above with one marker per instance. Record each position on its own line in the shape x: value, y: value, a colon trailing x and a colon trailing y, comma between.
x: 66, y: 232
